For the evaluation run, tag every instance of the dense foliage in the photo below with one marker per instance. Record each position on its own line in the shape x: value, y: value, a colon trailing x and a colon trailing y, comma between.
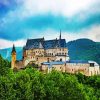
x: 30, y: 84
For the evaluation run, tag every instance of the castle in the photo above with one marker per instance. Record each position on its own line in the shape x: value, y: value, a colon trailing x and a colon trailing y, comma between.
x: 52, y: 54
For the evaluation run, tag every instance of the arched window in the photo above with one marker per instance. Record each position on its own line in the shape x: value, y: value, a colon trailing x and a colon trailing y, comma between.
x: 60, y: 59
x: 47, y: 59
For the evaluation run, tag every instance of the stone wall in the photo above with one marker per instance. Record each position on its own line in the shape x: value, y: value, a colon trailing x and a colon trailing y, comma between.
x: 73, y: 68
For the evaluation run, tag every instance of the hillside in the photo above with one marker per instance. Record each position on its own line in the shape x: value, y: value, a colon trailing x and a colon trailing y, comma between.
x: 81, y: 49
x: 6, y: 53
x: 84, y: 49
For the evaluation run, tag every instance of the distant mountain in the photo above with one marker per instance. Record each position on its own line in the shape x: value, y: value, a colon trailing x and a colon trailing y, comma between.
x: 6, y: 53
x: 84, y: 49
x: 81, y: 49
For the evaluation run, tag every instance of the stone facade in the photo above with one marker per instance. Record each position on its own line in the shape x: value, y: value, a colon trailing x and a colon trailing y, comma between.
x: 52, y: 54
x: 41, y: 50
x: 84, y: 68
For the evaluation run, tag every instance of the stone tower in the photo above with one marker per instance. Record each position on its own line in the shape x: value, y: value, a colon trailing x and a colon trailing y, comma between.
x: 13, y: 60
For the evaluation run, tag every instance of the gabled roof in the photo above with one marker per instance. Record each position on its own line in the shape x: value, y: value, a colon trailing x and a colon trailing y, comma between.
x: 34, y: 43
x: 55, y: 43
x: 48, y: 44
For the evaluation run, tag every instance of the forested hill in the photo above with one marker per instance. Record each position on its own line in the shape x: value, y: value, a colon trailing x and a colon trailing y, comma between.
x: 81, y: 49
x: 84, y: 49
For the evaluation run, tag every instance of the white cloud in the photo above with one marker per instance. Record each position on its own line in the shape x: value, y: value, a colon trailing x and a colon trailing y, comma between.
x: 6, y: 43
x: 59, y: 7
x: 66, y: 8
x: 92, y: 33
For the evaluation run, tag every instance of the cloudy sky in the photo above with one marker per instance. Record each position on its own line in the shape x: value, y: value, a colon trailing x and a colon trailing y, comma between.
x: 23, y: 19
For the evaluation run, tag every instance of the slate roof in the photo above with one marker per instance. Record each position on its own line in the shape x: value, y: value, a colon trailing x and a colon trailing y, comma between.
x: 47, y: 44
x: 53, y: 63
x: 77, y: 61
x: 34, y: 43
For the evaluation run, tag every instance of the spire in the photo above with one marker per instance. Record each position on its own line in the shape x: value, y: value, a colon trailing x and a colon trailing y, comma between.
x: 60, y: 35
x: 13, y: 49
x: 43, y: 37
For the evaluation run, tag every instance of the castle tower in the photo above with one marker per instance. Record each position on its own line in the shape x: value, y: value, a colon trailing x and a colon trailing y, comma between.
x: 13, y: 55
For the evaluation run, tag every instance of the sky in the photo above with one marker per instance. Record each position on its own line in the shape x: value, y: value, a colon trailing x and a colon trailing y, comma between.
x: 25, y: 19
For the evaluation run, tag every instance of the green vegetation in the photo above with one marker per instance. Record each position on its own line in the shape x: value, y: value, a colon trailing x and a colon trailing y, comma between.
x: 30, y: 84
x: 84, y: 49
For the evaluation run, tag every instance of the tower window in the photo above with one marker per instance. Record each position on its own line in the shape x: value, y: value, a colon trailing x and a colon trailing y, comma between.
x: 92, y: 64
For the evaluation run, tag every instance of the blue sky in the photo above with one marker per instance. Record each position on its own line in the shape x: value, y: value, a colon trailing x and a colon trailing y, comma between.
x: 23, y: 19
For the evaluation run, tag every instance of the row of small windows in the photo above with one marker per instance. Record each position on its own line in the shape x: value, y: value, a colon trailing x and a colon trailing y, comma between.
x: 36, y: 52
x: 61, y: 49
x: 56, y: 54
x: 39, y: 51
x: 47, y: 53
x: 96, y: 73
x: 74, y: 69
x: 78, y: 64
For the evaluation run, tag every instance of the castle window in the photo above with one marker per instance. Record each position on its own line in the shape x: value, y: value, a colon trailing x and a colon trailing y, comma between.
x: 37, y: 59
x: 91, y: 64
x: 60, y: 59
x: 72, y: 69
x: 47, y: 59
